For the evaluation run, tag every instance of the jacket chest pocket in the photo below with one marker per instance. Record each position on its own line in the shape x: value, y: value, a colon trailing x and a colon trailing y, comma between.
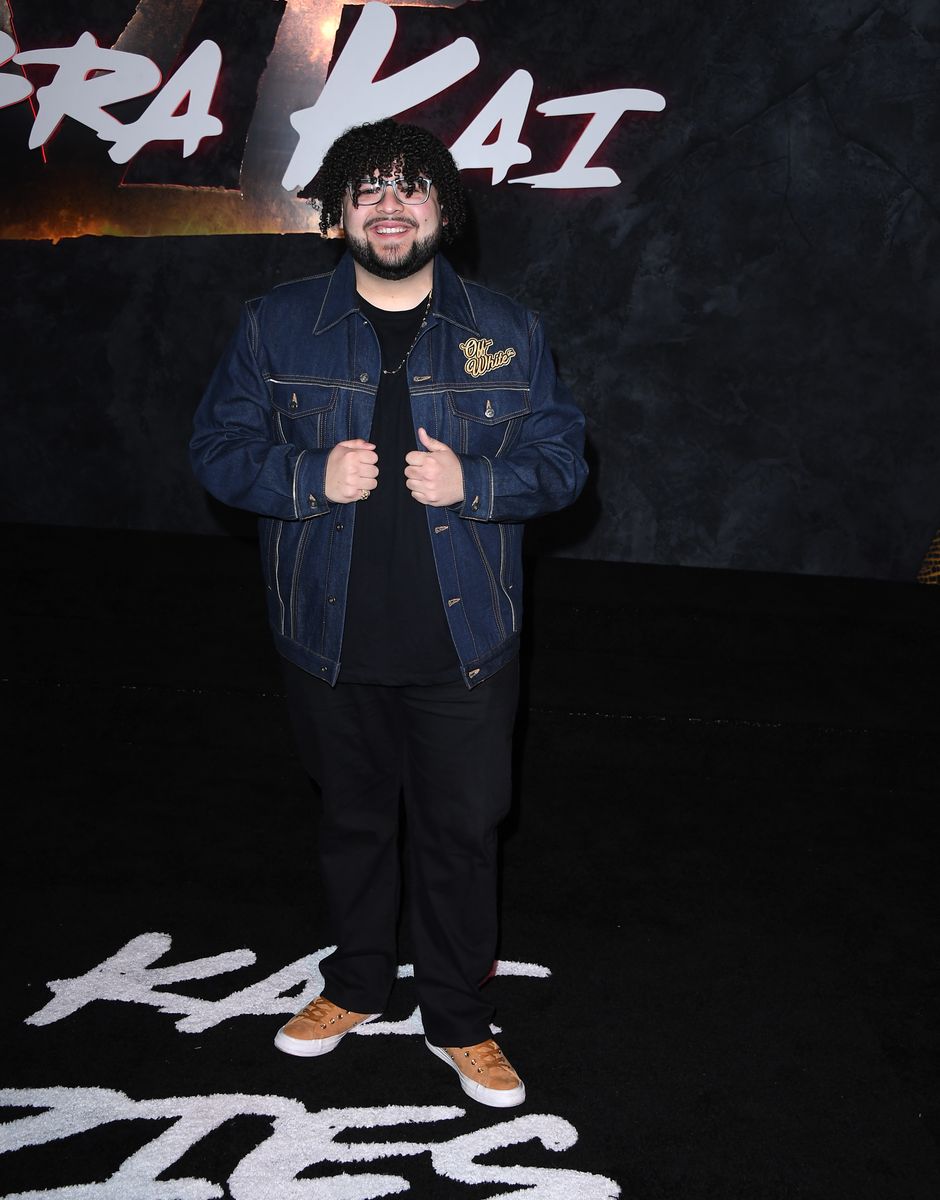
x: 303, y: 413
x: 486, y: 420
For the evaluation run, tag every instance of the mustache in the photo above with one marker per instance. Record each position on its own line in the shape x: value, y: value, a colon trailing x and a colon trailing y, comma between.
x: 390, y: 221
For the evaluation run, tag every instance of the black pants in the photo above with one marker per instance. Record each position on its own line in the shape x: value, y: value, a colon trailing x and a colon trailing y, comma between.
x: 447, y: 751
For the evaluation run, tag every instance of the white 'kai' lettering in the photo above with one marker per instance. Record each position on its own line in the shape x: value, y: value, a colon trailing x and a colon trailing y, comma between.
x: 352, y: 95
x: 130, y: 977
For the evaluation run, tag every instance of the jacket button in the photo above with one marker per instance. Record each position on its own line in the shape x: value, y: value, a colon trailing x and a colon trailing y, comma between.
x: 473, y: 673
x: 323, y: 670
x: 339, y: 527
x: 363, y: 378
x: 331, y: 599
x: 312, y: 500
x: 476, y: 503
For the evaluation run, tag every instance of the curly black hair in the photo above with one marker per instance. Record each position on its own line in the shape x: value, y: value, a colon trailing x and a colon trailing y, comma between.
x: 377, y: 147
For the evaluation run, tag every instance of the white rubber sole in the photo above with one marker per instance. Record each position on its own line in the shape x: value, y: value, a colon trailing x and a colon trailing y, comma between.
x: 492, y: 1097
x: 314, y: 1047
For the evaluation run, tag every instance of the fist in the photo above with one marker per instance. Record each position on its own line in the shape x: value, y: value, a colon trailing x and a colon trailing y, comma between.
x: 433, y: 475
x: 351, y: 470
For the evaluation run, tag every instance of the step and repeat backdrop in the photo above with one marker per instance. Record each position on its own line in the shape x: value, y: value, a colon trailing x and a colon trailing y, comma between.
x: 728, y: 215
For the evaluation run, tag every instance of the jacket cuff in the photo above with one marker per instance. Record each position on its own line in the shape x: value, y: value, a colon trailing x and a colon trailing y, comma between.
x: 477, y: 488
x: 309, y: 485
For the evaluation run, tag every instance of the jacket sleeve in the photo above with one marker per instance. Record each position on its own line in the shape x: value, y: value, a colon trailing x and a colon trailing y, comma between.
x: 545, y: 469
x: 236, y: 451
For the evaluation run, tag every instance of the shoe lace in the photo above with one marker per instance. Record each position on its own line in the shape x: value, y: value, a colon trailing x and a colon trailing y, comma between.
x: 322, y: 1010
x: 487, y: 1055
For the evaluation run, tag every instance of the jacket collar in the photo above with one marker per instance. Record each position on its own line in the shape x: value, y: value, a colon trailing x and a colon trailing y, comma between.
x: 451, y: 301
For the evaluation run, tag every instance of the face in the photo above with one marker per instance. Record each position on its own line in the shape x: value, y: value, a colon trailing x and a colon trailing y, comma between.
x: 392, y: 240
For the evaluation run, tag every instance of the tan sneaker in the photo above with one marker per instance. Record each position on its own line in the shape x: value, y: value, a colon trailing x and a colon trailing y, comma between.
x: 485, y: 1073
x: 318, y: 1028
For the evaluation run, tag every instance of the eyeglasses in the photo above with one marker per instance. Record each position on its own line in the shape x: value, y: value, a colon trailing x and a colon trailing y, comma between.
x: 407, y: 191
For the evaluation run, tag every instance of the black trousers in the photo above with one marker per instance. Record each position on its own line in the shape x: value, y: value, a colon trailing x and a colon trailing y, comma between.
x: 447, y: 751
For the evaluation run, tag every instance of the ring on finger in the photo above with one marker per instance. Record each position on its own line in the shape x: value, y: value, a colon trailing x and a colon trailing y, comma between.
x: 364, y: 494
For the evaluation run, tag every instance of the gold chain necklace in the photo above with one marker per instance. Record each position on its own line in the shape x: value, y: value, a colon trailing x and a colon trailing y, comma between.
x: 424, y: 321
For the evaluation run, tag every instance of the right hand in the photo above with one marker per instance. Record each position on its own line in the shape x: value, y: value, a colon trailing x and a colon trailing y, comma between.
x: 351, y: 470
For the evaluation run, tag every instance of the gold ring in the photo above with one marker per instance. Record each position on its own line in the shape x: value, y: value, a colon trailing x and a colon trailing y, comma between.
x: 364, y: 494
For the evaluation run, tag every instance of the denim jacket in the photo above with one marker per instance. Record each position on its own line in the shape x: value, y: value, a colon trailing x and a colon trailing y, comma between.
x: 301, y: 374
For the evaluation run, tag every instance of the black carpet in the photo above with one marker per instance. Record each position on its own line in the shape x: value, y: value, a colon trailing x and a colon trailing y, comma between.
x: 719, y: 938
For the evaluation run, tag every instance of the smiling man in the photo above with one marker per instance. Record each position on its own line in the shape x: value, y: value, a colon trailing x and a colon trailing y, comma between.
x: 397, y: 239
x: 393, y: 426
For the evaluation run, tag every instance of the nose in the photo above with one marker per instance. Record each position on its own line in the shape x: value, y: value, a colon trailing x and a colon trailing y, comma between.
x: 389, y: 202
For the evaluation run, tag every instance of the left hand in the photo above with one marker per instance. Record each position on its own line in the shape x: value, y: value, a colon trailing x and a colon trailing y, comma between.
x: 433, y: 475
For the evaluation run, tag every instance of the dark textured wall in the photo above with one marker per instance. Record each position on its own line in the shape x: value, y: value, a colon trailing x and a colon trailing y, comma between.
x: 748, y: 320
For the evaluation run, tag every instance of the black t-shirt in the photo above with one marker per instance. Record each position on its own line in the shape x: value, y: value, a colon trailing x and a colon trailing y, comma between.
x: 396, y: 630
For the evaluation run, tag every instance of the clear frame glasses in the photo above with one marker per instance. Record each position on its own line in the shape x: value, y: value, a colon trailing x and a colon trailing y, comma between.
x: 407, y: 191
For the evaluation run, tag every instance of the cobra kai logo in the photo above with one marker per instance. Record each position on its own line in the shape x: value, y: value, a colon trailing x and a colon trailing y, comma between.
x: 177, y: 162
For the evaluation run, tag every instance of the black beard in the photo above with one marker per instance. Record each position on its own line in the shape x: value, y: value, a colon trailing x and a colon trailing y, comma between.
x: 417, y: 257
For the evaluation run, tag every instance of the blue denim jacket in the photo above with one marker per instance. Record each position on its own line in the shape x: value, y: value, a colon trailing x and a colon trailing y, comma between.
x: 301, y: 375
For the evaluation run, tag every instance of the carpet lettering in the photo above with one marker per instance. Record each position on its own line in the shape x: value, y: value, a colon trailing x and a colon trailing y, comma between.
x: 299, y: 1139
x: 296, y: 1143
x: 129, y: 976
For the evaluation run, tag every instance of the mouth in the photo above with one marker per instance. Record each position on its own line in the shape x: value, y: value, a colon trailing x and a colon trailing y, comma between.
x: 389, y: 229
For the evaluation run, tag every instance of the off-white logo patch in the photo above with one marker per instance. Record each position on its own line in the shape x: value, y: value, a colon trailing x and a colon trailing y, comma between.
x: 480, y: 358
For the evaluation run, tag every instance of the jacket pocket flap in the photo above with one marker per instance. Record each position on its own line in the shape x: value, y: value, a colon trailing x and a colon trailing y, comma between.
x: 491, y: 406
x: 301, y: 399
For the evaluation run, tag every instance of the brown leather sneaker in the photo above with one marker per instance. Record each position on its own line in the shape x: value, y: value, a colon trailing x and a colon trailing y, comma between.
x: 485, y: 1073
x: 318, y: 1028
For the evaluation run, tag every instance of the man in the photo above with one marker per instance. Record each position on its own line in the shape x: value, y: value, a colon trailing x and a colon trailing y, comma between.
x: 393, y: 425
